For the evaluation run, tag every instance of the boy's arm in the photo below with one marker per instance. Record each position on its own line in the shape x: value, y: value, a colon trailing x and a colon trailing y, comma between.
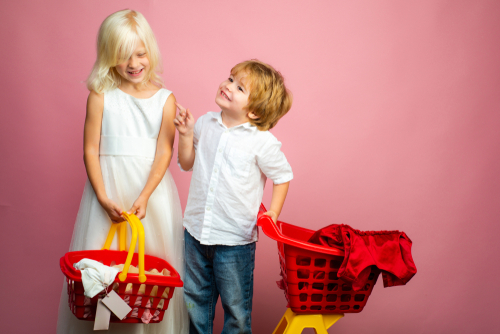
x: 184, y: 122
x: 186, y: 151
x: 277, y: 201
x: 273, y: 164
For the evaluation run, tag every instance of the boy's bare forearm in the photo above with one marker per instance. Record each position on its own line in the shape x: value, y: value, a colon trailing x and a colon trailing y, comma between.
x: 186, y: 151
x: 279, y: 196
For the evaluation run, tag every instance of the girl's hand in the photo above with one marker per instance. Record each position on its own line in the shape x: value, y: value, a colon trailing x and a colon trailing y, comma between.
x: 273, y: 215
x: 139, y: 208
x: 113, y: 210
x: 184, y: 121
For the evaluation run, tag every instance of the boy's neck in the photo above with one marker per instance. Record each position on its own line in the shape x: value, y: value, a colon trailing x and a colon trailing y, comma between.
x: 231, y: 121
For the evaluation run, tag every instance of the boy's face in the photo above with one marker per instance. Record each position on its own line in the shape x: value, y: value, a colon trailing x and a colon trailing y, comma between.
x: 232, y: 95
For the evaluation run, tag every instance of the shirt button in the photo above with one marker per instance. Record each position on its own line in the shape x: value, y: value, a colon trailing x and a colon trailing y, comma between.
x: 227, y: 131
x: 215, y: 170
x: 220, y: 149
x: 208, y: 208
x: 211, y: 189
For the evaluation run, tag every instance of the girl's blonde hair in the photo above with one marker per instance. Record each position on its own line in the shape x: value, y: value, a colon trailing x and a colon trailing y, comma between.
x: 269, y: 98
x: 117, y: 39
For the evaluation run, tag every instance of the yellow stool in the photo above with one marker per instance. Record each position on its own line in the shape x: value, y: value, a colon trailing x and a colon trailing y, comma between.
x: 293, y: 323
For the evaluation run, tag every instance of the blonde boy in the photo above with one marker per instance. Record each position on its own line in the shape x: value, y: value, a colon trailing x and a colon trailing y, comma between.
x: 231, y: 154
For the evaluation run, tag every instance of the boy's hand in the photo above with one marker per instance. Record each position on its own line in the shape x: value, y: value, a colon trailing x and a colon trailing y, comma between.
x: 273, y: 215
x: 184, y: 121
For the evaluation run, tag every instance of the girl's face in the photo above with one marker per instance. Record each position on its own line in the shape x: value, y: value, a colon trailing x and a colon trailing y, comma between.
x: 136, y: 67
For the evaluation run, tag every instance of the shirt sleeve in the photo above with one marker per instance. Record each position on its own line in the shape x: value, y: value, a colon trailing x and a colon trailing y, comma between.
x: 196, y: 137
x: 272, y: 162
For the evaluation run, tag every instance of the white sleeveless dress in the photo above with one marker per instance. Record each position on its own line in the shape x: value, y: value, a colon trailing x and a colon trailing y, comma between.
x: 130, y: 128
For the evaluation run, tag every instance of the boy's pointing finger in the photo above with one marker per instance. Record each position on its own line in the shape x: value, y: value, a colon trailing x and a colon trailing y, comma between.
x: 181, y: 108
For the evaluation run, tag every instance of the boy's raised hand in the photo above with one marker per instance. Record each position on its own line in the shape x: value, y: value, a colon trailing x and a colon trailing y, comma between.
x: 184, y: 121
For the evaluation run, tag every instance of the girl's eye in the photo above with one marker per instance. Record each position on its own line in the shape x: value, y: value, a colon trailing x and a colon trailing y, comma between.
x: 240, y: 88
x: 230, y: 79
x: 142, y: 55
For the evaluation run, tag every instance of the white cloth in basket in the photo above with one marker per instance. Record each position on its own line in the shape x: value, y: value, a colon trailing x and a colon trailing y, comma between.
x: 95, y: 276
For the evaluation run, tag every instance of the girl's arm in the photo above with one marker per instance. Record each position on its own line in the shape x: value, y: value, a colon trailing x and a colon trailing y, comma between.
x: 91, y: 139
x: 163, y: 156
x: 277, y: 201
x: 184, y: 122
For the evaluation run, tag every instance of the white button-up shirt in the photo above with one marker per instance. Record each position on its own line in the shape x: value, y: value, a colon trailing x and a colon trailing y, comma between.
x: 230, y: 170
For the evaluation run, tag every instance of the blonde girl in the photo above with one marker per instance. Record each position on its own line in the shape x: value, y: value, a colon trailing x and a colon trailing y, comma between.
x: 128, y: 138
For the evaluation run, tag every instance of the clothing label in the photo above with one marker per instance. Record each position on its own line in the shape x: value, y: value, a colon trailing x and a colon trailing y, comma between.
x: 102, y: 315
x: 116, y: 305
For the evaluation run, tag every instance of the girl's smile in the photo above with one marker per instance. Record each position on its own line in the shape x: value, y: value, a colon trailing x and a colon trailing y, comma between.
x: 135, y: 73
x: 136, y: 67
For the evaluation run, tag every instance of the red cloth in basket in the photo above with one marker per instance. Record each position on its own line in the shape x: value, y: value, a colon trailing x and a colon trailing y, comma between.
x: 389, y: 251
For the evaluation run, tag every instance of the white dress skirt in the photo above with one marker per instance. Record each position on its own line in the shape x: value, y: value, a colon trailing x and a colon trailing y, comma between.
x: 130, y: 128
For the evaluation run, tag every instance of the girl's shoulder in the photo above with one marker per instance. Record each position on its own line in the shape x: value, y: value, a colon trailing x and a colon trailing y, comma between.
x: 95, y: 99
x: 94, y: 95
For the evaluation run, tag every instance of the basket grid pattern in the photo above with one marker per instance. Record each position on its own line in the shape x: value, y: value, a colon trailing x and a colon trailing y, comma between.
x: 155, y: 293
x: 78, y: 303
x: 311, y: 283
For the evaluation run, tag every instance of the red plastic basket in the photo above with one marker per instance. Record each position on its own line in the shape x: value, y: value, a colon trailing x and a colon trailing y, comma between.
x: 76, y: 299
x: 309, y: 272
x: 157, y: 289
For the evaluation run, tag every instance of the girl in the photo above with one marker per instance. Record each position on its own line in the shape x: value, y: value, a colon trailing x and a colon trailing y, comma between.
x: 128, y: 138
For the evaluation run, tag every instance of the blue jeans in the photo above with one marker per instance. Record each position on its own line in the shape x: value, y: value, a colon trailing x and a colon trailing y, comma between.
x: 218, y: 270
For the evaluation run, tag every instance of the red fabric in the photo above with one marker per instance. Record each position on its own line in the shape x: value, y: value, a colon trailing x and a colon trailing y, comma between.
x: 390, y: 251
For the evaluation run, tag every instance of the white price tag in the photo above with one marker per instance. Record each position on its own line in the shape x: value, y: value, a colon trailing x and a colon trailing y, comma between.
x: 116, y: 305
x: 102, y: 315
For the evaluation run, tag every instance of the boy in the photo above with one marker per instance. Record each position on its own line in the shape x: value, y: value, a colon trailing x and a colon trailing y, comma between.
x: 231, y: 154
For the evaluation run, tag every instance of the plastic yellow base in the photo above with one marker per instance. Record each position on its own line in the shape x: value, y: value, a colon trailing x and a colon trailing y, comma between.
x: 293, y: 323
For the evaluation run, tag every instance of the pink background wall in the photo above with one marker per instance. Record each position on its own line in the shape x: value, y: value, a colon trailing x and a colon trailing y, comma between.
x: 395, y: 125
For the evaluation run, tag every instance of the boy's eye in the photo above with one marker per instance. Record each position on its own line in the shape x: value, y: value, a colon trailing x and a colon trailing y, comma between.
x: 142, y: 54
x: 230, y: 79
x: 240, y: 88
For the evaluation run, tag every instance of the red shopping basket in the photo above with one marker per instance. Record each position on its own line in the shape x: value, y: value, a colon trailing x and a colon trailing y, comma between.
x: 155, y: 289
x: 309, y: 272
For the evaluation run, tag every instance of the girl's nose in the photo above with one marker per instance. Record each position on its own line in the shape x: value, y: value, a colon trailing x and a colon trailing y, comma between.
x: 133, y: 62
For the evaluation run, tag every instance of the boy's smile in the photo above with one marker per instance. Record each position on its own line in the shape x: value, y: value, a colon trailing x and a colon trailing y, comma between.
x: 224, y: 95
x: 232, y: 98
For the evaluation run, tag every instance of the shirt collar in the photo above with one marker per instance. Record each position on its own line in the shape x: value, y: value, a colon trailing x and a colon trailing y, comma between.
x: 218, y: 116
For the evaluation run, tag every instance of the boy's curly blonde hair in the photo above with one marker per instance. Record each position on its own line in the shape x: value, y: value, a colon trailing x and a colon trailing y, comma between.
x: 269, y: 99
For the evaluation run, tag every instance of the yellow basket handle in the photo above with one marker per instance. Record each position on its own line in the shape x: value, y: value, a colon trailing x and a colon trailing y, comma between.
x: 137, y: 230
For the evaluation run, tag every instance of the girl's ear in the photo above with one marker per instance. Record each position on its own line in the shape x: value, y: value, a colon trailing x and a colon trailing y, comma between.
x: 251, y: 115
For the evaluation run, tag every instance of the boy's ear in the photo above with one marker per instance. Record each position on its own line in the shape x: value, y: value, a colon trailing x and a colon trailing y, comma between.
x: 251, y: 115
